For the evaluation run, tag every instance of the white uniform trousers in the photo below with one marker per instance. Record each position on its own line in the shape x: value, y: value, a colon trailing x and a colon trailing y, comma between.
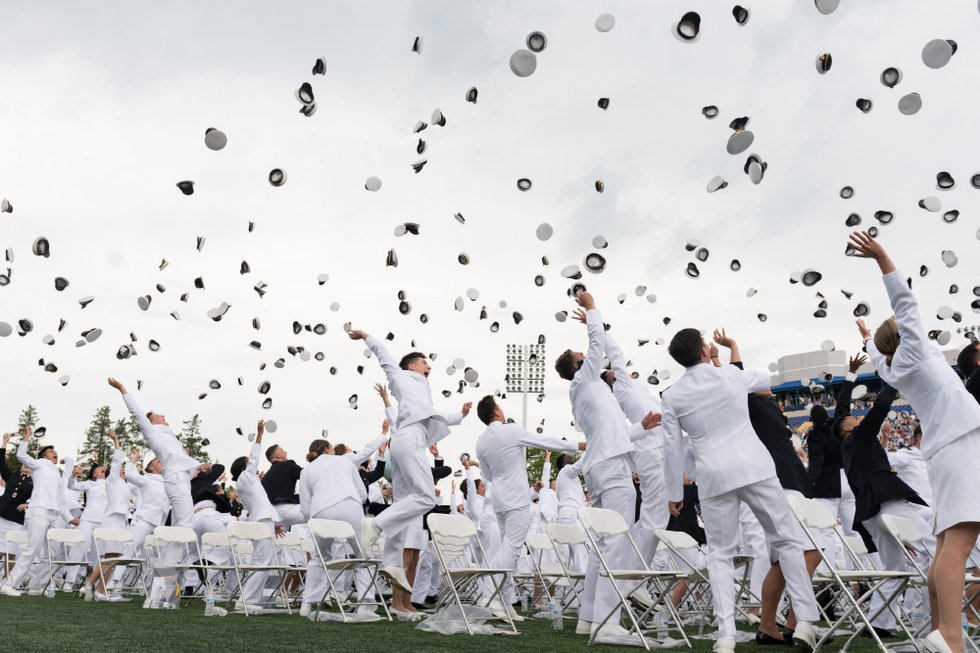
x: 768, y: 502
x: 414, y: 491
x: 37, y: 521
x: 350, y: 511
x: 262, y: 554
x: 653, y: 509
x: 611, y: 485
x: 290, y: 514
x: 514, y: 526
x: 892, y: 554
x: 843, y: 507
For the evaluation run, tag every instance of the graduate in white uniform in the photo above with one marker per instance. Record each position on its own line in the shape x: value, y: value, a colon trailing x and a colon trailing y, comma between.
x: 607, y: 464
x: 709, y: 403
x: 502, y: 452
x: 114, y: 515
x: 154, y: 506
x: 950, y: 420
x: 331, y: 488
x: 245, y: 473
x: 418, y: 426
x: 43, y: 512
x: 94, y: 489
x: 571, y: 497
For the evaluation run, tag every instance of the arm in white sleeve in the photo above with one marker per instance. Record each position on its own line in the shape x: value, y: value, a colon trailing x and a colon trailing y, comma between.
x: 673, y: 455
x: 454, y: 419
x: 637, y: 432
x: 388, y: 364
x: 137, y: 414
x: 304, y: 494
x: 66, y: 476
x: 367, y: 450
x: 546, y: 442
x: 253, y: 458
x: 546, y: 474
x: 133, y: 477
x: 754, y: 380
x: 592, y: 365
x: 910, y: 329
x: 118, y: 458
x: 471, y: 495
x: 24, y: 458
x: 877, y: 358
x: 616, y: 358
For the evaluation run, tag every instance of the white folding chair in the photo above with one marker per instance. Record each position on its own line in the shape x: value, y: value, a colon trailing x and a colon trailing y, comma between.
x: 608, y: 525
x: 101, y: 537
x: 216, y: 558
x: 458, y: 548
x: 546, y: 577
x: 566, y: 540
x: 293, y: 554
x: 686, y: 556
x: 813, y: 516
x: 14, y: 539
x: 172, y: 551
x: 255, y: 533
x: 327, y: 532
x: 65, y: 541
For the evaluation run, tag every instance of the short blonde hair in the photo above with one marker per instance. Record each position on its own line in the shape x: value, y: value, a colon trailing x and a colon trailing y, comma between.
x: 886, y: 338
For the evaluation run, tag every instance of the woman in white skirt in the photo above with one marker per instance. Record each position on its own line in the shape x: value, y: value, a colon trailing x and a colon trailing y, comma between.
x: 950, y: 419
x: 331, y: 488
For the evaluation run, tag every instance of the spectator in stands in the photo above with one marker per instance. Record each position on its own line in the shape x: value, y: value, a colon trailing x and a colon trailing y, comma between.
x: 950, y: 420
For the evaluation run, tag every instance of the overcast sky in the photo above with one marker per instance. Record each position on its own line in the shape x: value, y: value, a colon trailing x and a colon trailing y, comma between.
x: 103, y: 108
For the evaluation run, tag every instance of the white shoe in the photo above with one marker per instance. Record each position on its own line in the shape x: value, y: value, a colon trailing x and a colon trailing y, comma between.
x: 406, y: 616
x: 7, y: 590
x: 642, y: 597
x: 725, y: 644
x: 240, y: 606
x: 305, y: 609
x: 583, y: 628
x: 616, y: 634
x: 369, y: 535
x: 397, y: 576
x: 502, y: 613
x: 804, y: 636
x: 109, y: 598
x: 933, y: 643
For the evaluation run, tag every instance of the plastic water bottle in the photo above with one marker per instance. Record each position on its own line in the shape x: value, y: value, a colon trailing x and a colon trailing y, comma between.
x: 209, y: 605
x: 557, y: 621
x: 49, y: 590
x: 663, y: 624
x: 524, y: 602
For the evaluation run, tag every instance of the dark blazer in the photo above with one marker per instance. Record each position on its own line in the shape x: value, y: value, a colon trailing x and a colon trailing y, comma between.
x: 687, y: 521
x: 201, y: 484
x: 19, y: 490
x: 866, y: 464
x: 825, y: 455
x: 374, y: 475
x: 280, y: 482
x: 772, y: 428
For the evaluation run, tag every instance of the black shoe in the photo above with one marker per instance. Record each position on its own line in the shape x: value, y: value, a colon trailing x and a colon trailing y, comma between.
x: 419, y: 606
x: 883, y: 633
x: 432, y: 598
x: 764, y: 639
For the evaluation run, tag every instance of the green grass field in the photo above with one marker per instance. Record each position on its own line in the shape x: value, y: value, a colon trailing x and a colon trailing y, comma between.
x: 67, y: 624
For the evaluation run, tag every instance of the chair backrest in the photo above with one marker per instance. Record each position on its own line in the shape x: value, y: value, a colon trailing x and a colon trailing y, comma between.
x: 66, y: 536
x: 451, y: 526
x: 17, y: 537
x: 330, y: 529
x: 288, y: 540
x: 455, y: 539
x: 174, y: 534
x: 249, y: 530
x: 150, y: 542
x: 213, y: 540
x: 565, y: 534
x: 123, y: 535
x: 811, y: 513
x: 906, y: 530
x: 602, y: 522
x: 677, y: 539
x: 856, y: 544
x: 539, y: 542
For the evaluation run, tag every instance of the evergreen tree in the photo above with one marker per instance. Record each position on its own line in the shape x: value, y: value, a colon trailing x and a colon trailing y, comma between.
x: 97, y: 448
x: 28, y: 417
x: 193, y: 441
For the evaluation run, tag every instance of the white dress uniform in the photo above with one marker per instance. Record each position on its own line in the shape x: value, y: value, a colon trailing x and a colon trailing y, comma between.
x: 949, y: 416
x: 177, y: 465
x: 636, y: 401
x: 608, y: 467
x: 331, y: 488
x: 501, y: 450
x: 418, y: 425
x: 117, y: 501
x: 43, y: 511
x: 92, y: 515
x: 571, y: 497
x: 709, y: 404
x: 260, y: 510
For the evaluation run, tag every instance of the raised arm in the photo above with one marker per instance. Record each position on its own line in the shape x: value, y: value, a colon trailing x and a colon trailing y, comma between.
x: 592, y: 365
x: 253, y: 454
x: 546, y: 442
x: 454, y: 419
x: 869, y: 427
x: 367, y: 450
x: 388, y: 364
x: 546, y: 469
x: 22, y: 456
x: 616, y: 358
x: 735, y: 356
x: 138, y: 415
x: 118, y: 457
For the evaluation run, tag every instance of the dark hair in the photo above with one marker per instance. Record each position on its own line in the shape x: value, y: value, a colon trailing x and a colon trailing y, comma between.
x: 91, y: 471
x: 238, y: 467
x: 565, y: 365
x: 819, y: 416
x: 40, y: 454
x: 464, y: 487
x: 148, y: 413
x: 564, y: 459
x: 917, y: 433
x: 685, y: 347
x: 317, y: 447
x: 486, y: 408
x: 408, y: 358
x: 967, y: 361
x: 270, y: 452
x: 340, y: 449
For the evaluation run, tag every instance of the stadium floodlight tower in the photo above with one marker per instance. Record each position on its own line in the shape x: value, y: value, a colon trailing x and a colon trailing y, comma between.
x: 525, y: 372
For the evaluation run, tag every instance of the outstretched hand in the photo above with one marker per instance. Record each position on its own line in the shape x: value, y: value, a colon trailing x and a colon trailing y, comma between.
x: 585, y: 300
x: 856, y: 362
x: 466, y: 408
x: 356, y: 334
x: 579, y: 315
x: 114, y: 438
x: 867, y: 247
x: 675, y: 507
x: 722, y: 339
x: 117, y: 385
x: 651, y: 420
x: 865, y: 331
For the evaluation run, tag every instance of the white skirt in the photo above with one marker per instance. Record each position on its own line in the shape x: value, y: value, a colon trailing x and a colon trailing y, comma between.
x: 7, y: 526
x: 953, y: 476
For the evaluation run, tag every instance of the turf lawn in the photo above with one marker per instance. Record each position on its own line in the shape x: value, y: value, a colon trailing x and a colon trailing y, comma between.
x: 67, y: 624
